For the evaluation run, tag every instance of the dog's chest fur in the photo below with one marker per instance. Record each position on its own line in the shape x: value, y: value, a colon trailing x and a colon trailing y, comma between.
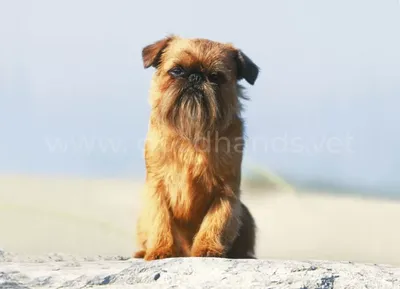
x: 193, y: 175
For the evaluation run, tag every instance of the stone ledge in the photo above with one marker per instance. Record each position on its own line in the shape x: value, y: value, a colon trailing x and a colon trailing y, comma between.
x: 69, y: 272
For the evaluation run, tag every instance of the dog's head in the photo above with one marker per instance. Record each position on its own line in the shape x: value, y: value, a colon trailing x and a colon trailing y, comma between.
x: 195, y: 86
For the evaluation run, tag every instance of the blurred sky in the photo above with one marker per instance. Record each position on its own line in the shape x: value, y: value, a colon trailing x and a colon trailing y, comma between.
x: 73, y: 91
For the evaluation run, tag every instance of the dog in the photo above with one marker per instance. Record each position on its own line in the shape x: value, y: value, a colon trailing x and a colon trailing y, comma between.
x: 193, y: 152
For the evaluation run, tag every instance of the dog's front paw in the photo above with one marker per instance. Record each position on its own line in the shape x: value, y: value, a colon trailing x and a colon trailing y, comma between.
x: 207, y: 250
x: 160, y: 253
x: 139, y: 254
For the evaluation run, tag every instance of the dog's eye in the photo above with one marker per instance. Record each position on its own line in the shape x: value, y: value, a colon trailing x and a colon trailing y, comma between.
x: 216, y: 77
x: 177, y: 71
x: 213, y: 77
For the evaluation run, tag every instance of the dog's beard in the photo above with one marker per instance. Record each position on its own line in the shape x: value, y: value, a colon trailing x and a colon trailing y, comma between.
x: 195, y: 113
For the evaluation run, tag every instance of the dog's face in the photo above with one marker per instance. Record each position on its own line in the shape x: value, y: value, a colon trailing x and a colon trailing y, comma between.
x: 195, y: 86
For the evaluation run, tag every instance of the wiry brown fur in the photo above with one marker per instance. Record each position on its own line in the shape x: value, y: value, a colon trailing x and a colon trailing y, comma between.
x: 193, y: 154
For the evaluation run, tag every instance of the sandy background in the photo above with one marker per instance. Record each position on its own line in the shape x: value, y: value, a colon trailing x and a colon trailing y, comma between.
x: 41, y: 215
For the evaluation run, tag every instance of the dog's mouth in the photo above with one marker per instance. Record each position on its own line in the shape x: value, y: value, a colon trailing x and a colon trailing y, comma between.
x: 193, y: 91
x: 194, y: 101
x: 192, y: 105
x: 194, y: 112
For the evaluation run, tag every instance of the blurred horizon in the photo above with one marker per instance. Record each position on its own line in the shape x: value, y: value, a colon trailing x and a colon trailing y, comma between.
x: 323, y: 112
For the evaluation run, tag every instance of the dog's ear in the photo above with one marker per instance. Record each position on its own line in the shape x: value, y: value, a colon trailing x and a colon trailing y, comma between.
x: 151, y: 54
x: 246, y: 68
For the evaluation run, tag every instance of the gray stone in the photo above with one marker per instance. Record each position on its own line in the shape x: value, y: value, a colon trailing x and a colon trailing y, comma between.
x: 197, y: 273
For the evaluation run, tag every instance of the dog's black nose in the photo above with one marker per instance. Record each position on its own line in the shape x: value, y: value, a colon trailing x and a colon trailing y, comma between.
x: 195, y: 77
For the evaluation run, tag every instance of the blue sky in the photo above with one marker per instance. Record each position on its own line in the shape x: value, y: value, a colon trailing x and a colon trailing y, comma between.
x: 325, y: 106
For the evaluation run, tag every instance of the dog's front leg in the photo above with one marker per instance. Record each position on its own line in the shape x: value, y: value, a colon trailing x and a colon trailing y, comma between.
x: 160, y: 241
x: 218, y: 229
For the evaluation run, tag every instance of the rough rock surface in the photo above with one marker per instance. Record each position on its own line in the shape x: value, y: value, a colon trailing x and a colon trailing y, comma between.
x: 64, y: 271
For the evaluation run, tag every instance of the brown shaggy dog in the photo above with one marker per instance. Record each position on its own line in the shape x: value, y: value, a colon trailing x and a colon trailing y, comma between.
x: 194, y: 151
